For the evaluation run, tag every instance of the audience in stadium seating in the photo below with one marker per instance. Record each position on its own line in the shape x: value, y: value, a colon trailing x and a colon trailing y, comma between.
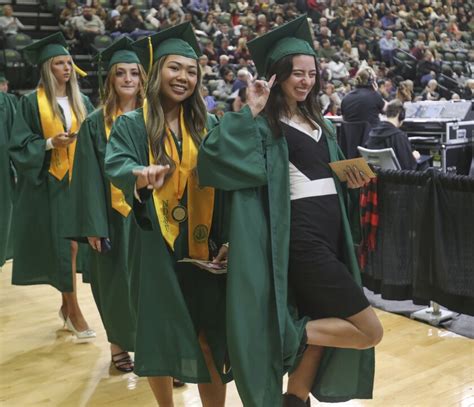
x: 9, y: 24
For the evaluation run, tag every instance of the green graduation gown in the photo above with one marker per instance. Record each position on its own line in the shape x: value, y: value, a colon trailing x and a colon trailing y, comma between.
x: 93, y: 215
x: 242, y: 156
x: 7, y: 114
x: 41, y: 206
x: 174, y: 301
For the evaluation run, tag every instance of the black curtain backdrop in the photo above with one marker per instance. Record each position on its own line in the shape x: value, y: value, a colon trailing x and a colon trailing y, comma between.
x: 425, y: 239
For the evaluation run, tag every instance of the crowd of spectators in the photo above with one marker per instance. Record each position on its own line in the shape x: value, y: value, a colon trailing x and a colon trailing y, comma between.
x: 417, y: 49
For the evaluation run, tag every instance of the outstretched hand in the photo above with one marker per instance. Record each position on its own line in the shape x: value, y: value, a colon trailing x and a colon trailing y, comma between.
x: 151, y: 177
x: 258, y: 93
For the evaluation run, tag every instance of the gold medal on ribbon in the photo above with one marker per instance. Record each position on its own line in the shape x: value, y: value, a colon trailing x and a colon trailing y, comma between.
x: 179, y: 213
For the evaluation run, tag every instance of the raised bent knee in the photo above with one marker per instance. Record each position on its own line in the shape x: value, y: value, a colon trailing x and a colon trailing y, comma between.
x: 373, y: 337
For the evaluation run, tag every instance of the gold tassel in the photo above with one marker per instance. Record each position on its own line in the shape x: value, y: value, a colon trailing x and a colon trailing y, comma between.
x: 150, y: 49
x: 79, y: 71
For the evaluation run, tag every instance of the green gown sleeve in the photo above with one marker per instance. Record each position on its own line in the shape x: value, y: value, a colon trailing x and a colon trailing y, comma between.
x: 7, y: 113
x: 88, y: 192
x: 27, y: 145
x: 231, y: 157
x: 122, y: 156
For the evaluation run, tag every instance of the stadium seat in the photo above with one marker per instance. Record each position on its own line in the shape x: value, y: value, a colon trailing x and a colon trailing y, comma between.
x: 18, y: 41
x: 101, y: 42
x: 449, y: 56
x: 13, y: 66
x: 461, y: 57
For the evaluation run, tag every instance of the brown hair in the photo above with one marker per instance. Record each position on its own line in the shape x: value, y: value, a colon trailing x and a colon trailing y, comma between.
x: 276, y: 106
x: 111, y: 98
x: 195, y: 115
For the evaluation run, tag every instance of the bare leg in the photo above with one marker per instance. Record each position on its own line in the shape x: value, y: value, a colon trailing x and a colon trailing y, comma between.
x: 162, y: 387
x: 212, y: 394
x: 301, y: 380
x: 70, y: 305
x: 360, y: 331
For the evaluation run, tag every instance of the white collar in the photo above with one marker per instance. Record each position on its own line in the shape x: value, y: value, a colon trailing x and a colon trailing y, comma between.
x: 315, y: 134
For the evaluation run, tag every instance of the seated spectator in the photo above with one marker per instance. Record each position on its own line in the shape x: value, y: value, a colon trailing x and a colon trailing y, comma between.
x: 387, y: 90
x: 224, y: 32
x: 404, y: 92
x: 388, y: 135
x: 243, y: 79
x: 242, y: 51
x: 225, y: 50
x: 418, y: 51
x: 329, y: 97
x: 224, y: 85
x: 445, y: 44
x: 208, y: 100
x: 362, y: 51
x: 133, y: 24
x: 98, y: 10
x: 123, y: 7
x: 9, y: 24
x: 387, y: 47
x: 71, y: 10
x: 427, y: 68
x: 113, y: 25
x: 167, y: 10
x: 327, y: 51
x: 211, y: 53
x: 152, y: 18
x: 400, y: 41
x: 198, y: 8
x: 429, y: 93
x: 206, y: 70
x: 88, y: 26
x: 348, y: 53
x: 389, y: 21
x: 338, y: 68
x: 209, y: 25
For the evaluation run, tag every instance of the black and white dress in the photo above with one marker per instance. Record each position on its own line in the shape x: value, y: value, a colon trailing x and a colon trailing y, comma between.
x: 321, y: 282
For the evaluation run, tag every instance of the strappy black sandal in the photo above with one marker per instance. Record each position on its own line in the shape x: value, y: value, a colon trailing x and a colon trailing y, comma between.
x: 123, y: 364
x: 177, y: 383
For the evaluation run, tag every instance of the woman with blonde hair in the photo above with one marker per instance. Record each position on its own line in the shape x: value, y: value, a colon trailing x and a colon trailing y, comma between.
x: 404, y: 92
x: 101, y: 216
x: 151, y: 157
x: 42, y: 149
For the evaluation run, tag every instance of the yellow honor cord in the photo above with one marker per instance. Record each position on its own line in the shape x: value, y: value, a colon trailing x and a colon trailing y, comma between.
x: 116, y: 195
x: 62, y: 159
x: 200, y: 201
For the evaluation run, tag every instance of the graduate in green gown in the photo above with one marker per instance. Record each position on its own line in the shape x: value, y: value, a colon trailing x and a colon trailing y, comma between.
x: 273, y: 157
x: 151, y: 156
x: 100, y: 214
x: 7, y: 114
x: 42, y: 150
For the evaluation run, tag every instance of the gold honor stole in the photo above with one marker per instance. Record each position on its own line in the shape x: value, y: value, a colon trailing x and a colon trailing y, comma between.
x: 200, y: 200
x: 62, y: 159
x: 117, y: 197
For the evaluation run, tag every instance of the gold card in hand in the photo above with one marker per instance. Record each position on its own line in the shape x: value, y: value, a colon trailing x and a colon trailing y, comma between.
x: 340, y: 168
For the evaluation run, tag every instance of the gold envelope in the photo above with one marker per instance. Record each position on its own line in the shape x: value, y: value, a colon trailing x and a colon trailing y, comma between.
x: 339, y: 167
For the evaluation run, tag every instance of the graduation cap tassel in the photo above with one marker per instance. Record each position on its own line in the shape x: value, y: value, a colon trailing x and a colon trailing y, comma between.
x: 150, y: 50
x: 79, y: 71
x: 100, y: 79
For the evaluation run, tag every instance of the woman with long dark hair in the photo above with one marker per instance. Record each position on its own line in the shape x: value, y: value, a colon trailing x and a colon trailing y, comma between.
x: 42, y: 149
x: 101, y: 215
x: 151, y: 157
x: 276, y: 152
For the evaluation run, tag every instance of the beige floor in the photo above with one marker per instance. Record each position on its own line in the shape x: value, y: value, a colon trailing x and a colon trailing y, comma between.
x: 42, y: 365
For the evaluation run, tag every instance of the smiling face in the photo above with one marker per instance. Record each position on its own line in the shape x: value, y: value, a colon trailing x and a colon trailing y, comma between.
x: 179, y: 77
x: 61, y: 67
x: 301, y: 80
x: 126, y: 80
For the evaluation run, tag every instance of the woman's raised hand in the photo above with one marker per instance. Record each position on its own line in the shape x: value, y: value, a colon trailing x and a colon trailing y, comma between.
x: 258, y: 93
x: 151, y: 177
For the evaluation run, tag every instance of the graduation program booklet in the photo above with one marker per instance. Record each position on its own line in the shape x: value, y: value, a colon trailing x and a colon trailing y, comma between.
x: 340, y: 167
x: 214, y: 268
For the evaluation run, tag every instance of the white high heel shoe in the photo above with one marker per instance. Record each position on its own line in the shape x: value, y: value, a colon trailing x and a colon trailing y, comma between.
x: 86, y: 334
